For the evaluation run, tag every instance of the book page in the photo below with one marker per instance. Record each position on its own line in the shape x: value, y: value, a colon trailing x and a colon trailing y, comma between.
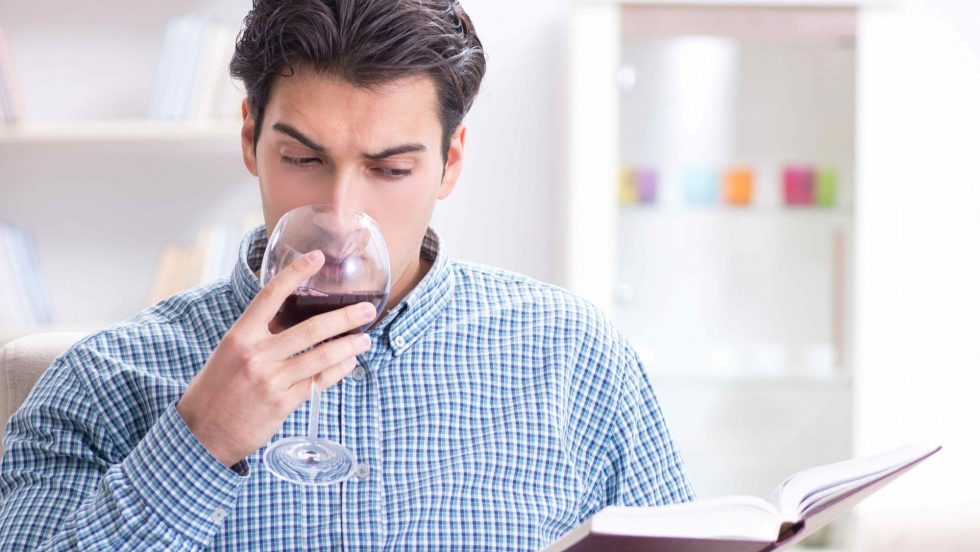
x: 735, y: 517
x: 809, y: 489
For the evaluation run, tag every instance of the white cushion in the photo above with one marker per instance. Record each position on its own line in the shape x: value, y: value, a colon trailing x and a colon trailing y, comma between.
x: 22, y: 361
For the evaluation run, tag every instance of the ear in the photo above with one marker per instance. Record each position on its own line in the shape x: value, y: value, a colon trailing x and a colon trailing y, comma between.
x: 454, y: 163
x: 248, y: 139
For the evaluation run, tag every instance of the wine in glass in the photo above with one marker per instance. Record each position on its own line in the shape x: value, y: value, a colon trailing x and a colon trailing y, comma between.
x: 355, y: 270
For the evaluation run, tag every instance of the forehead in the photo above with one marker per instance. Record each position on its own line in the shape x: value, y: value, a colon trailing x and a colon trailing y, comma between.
x: 333, y: 107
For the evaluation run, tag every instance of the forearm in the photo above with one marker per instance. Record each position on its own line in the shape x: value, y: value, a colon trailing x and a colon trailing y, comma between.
x: 168, y: 494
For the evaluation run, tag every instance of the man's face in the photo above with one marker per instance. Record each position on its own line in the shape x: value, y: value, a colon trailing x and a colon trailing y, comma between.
x: 379, y: 150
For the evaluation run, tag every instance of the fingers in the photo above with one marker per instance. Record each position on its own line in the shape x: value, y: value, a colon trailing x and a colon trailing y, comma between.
x: 320, y: 328
x: 329, y: 357
x: 272, y: 295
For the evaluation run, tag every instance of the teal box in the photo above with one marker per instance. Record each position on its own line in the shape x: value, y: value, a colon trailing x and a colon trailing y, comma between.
x: 701, y: 185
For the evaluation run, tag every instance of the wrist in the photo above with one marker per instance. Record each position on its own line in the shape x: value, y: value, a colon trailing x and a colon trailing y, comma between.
x: 212, y: 441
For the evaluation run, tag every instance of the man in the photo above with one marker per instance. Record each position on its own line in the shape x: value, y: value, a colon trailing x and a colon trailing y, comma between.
x: 485, y: 410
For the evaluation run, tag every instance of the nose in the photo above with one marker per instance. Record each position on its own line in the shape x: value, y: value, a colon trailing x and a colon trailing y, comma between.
x: 343, y: 189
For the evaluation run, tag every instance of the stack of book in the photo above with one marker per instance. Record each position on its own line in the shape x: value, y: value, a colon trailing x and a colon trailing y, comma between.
x: 193, y: 81
x: 23, y: 297
x: 212, y: 256
x: 11, y: 101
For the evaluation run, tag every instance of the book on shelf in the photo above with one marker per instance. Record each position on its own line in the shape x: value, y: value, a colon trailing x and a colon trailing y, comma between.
x: 11, y: 99
x: 801, y: 504
x: 23, y: 296
x: 193, y: 81
x: 212, y: 256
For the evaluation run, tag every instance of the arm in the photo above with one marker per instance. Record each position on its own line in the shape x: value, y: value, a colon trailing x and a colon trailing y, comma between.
x: 148, y: 475
x: 643, y: 466
x: 629, y: 456
x: 61, y: 488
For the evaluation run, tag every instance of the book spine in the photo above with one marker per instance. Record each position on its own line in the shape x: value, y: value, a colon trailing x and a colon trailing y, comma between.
x: 165, y: 69
x: 10, y: 91
x: 36, y: 290
x: 8, y: 315
x: 191, y: 68
x: 14, y: 297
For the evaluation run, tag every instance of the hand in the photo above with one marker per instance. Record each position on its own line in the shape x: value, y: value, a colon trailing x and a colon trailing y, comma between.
x: 254, y: 378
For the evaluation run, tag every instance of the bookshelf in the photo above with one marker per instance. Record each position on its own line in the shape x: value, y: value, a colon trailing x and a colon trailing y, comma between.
x: 103, y: 187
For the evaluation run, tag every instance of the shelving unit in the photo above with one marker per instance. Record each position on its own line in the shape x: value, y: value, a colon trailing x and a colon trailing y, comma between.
x: 742, y: 314
x: 102, y: 188
x: 132, y: 130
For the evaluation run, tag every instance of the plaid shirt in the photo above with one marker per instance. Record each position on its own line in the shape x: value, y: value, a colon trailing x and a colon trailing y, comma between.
x: 492, y: 412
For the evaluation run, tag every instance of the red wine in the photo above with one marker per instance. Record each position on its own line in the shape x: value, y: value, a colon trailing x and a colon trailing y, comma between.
x: 305, y: 303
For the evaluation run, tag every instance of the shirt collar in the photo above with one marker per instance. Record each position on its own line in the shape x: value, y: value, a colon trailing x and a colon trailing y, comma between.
x: 402, y: 326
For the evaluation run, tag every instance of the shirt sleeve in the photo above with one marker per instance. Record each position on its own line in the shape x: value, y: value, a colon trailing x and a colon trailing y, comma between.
x: 628, y: 454
x: 66, y: 485
x: 642, y: 464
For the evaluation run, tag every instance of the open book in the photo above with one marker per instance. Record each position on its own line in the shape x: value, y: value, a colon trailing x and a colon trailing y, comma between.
x: 800, y: 505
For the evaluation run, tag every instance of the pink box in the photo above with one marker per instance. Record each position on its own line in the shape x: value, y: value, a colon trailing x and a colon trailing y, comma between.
x: 798, y: 185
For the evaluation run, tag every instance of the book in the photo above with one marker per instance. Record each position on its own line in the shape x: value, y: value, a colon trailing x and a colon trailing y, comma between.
x: 801, y: 504
x: 193, y: 82
x: 23, y: 297
x: 11, y: 98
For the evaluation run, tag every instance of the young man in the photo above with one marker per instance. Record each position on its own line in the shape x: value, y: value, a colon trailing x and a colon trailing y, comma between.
x: 486, y: 410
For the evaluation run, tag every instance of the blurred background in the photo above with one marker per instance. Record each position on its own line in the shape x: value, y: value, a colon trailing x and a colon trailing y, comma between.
x: 777, y: 201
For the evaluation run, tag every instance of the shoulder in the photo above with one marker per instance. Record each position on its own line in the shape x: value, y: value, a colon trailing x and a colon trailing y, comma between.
x: 188, y: 323
x: 548, y: 311
x: 482, y: 284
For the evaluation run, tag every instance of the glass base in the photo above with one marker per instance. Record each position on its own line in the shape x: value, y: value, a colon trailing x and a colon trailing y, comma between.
x: 305, y: 462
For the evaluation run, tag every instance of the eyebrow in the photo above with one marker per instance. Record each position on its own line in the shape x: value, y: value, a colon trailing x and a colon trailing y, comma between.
x: 306, y: 141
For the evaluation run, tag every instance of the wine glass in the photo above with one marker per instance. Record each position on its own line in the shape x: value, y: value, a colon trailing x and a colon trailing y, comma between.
x: 355, y: 270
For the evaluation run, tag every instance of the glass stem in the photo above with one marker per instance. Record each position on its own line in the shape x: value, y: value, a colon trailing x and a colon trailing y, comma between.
x: 312, y: 427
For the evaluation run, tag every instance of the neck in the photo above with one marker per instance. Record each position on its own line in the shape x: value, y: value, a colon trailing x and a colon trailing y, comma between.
x: 409, y: 279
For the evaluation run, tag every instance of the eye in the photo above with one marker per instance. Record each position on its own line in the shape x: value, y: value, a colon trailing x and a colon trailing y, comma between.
x: 388, y: 172
x: 299, y: 161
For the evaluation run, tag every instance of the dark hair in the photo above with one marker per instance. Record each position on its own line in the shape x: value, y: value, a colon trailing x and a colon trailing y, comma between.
x: 365, y: 42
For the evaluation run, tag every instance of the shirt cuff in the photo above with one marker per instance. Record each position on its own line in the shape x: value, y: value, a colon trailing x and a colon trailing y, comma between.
x: 180, y: 481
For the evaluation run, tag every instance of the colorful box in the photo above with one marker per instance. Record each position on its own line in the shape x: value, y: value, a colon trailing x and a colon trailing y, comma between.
x: 738, y: 185
x: 798, y: 185
x: 826, y: 187
x: 701, y: 186
x: 645, y: 182
x: 627, y: 186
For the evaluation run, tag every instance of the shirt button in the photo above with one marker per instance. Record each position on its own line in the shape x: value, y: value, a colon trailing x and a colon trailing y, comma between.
x: 399, y: 342
x: 362, y: 471
x: 359, y: 373
x: 218, y: 515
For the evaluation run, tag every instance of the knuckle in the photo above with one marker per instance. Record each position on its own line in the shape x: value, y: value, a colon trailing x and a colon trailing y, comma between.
x: 251, y: 369
x: 326, y: 355
x: 282, y: 404
x: 313, y: 330
x: 351, y: 316
x: 234, y: 340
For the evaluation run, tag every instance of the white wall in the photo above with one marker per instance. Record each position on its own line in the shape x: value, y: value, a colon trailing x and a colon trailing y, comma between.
x: 504, y: 212
x: 918, y: 273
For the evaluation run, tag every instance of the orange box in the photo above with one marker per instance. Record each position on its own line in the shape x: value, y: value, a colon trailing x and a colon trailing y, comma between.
x: 738, y: 186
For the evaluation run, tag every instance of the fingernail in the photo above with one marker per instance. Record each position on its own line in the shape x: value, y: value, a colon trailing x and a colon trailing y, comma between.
x: 367, y: 310
x: 313, y: 257
x: 365, y: 340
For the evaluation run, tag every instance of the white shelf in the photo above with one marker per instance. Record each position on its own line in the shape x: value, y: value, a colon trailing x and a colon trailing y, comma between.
x: 734, y: 211
x: 749, y: 382
x: 120, y: 131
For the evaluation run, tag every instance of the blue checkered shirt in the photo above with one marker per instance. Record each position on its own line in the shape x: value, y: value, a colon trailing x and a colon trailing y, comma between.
x: 494, y: 412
